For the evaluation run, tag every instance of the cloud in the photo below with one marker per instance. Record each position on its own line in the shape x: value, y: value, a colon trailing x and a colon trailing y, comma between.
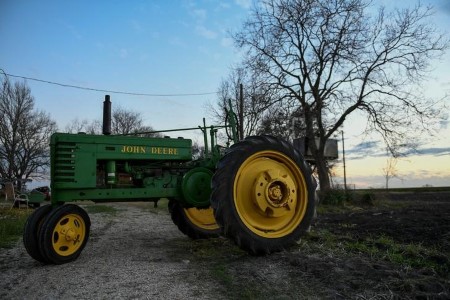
x: 226, y: 42
x: 364, y: 146
x: 365, y: 149
x: 433, y: 151
x: 176, y: 41
x: 444, y: 121
x: 445, y: 6
x: 199, y: 14
x: 206, y: 33
x: 137, y: 27
x: 378, y: 149
x: 224, y: 5
x: 244, y: 3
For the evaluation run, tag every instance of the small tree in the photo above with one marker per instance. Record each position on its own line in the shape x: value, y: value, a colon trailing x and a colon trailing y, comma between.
x: 390, y: 170
x: 24, y: 133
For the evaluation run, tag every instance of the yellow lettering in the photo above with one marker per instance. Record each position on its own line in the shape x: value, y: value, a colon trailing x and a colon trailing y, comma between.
x: 134, y: 149
x: 157, y: 150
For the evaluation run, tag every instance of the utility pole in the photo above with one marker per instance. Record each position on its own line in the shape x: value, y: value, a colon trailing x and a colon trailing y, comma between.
x: 241, y: 112
x: 343, y: 159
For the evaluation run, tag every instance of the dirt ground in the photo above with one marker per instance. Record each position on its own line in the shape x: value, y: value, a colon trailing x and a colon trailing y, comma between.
x: 399, y: 248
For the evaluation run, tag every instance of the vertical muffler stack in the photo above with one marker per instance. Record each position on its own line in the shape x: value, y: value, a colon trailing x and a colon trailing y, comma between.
x: 110, y: 164
x: 107, y: 116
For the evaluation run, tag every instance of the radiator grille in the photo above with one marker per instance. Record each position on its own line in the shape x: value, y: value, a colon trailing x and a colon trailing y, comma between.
x: 64, y: 164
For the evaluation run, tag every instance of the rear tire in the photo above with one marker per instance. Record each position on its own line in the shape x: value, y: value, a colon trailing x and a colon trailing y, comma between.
x: 196, y: 223
x: 31, y: 230
x: 263, y: 194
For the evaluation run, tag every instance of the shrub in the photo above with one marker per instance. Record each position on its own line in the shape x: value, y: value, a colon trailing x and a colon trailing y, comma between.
x: 368, y: 198
x: 336, y: 196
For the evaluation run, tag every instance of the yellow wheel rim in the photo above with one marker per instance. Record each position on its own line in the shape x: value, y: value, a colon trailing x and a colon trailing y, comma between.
x: 68, y: 235
x: 270, y: 194
x: 202, y: 218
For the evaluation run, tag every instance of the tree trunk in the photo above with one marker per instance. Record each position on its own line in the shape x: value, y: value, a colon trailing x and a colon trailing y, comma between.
x: 324, y: 179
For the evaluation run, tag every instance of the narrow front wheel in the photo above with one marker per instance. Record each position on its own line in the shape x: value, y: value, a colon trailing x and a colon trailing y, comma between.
x: 64, y: 234
x: 31, y: 230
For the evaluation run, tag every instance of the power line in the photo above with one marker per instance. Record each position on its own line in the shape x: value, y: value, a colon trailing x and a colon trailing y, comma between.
x: 107, y: 91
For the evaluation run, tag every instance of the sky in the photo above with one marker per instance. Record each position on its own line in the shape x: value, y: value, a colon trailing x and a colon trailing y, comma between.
x: 170, y: 48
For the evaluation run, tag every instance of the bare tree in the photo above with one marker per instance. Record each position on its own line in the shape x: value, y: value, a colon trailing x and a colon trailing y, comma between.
x: 283, y: 120
x: 123, y: 121
x: 390, y: 170
x: 255, y: 99
x: 336, y: 58
x: 24, y: 133
x: 76, y: 125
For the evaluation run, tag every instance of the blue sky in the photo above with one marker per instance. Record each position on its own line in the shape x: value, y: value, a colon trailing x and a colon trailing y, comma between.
x: 166, y: 47
x: 156, y: 47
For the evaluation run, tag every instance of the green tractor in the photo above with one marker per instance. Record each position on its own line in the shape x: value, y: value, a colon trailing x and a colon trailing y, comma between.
x: 259, y: 191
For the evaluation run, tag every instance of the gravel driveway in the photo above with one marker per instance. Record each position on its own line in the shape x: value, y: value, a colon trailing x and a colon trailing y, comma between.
x: 133, y: 254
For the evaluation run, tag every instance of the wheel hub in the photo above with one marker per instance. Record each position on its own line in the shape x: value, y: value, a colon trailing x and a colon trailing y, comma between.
x: 70, y: 235
x: 274, y: 193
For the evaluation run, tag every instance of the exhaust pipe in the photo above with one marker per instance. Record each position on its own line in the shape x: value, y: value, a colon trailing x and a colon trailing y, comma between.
x: 107, y: 116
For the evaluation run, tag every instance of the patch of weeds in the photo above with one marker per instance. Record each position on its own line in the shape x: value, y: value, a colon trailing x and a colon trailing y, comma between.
x: 253, y: 292
x: 368, y: 198
x: 365, y: 198
x: 12, y: 222
x: 406, y: 255
x: 215, y: 249
x: 238, y: 286
x: 322, y: 241
x: 389, y: 204
x: 362, y: 247
x: 381, y: 247
x: 326, y: 237
x: 221, y: 273
x: 331, y: 209
x: 98, y: 208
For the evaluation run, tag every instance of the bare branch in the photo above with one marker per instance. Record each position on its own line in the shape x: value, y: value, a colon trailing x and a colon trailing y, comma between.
x: 335, y: 58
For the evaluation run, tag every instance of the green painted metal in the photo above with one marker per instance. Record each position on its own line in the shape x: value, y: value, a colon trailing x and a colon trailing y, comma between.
x: 104, y: 168
x: 84, y: 166
x: 36, y: 197
x: 111, y: 172
x: 196, y: 187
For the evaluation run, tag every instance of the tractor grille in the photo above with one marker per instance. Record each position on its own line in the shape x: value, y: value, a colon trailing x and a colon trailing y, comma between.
x: 64, y: 164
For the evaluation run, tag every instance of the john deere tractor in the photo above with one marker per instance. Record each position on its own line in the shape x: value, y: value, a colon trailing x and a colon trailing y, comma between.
x: 259, y: 191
